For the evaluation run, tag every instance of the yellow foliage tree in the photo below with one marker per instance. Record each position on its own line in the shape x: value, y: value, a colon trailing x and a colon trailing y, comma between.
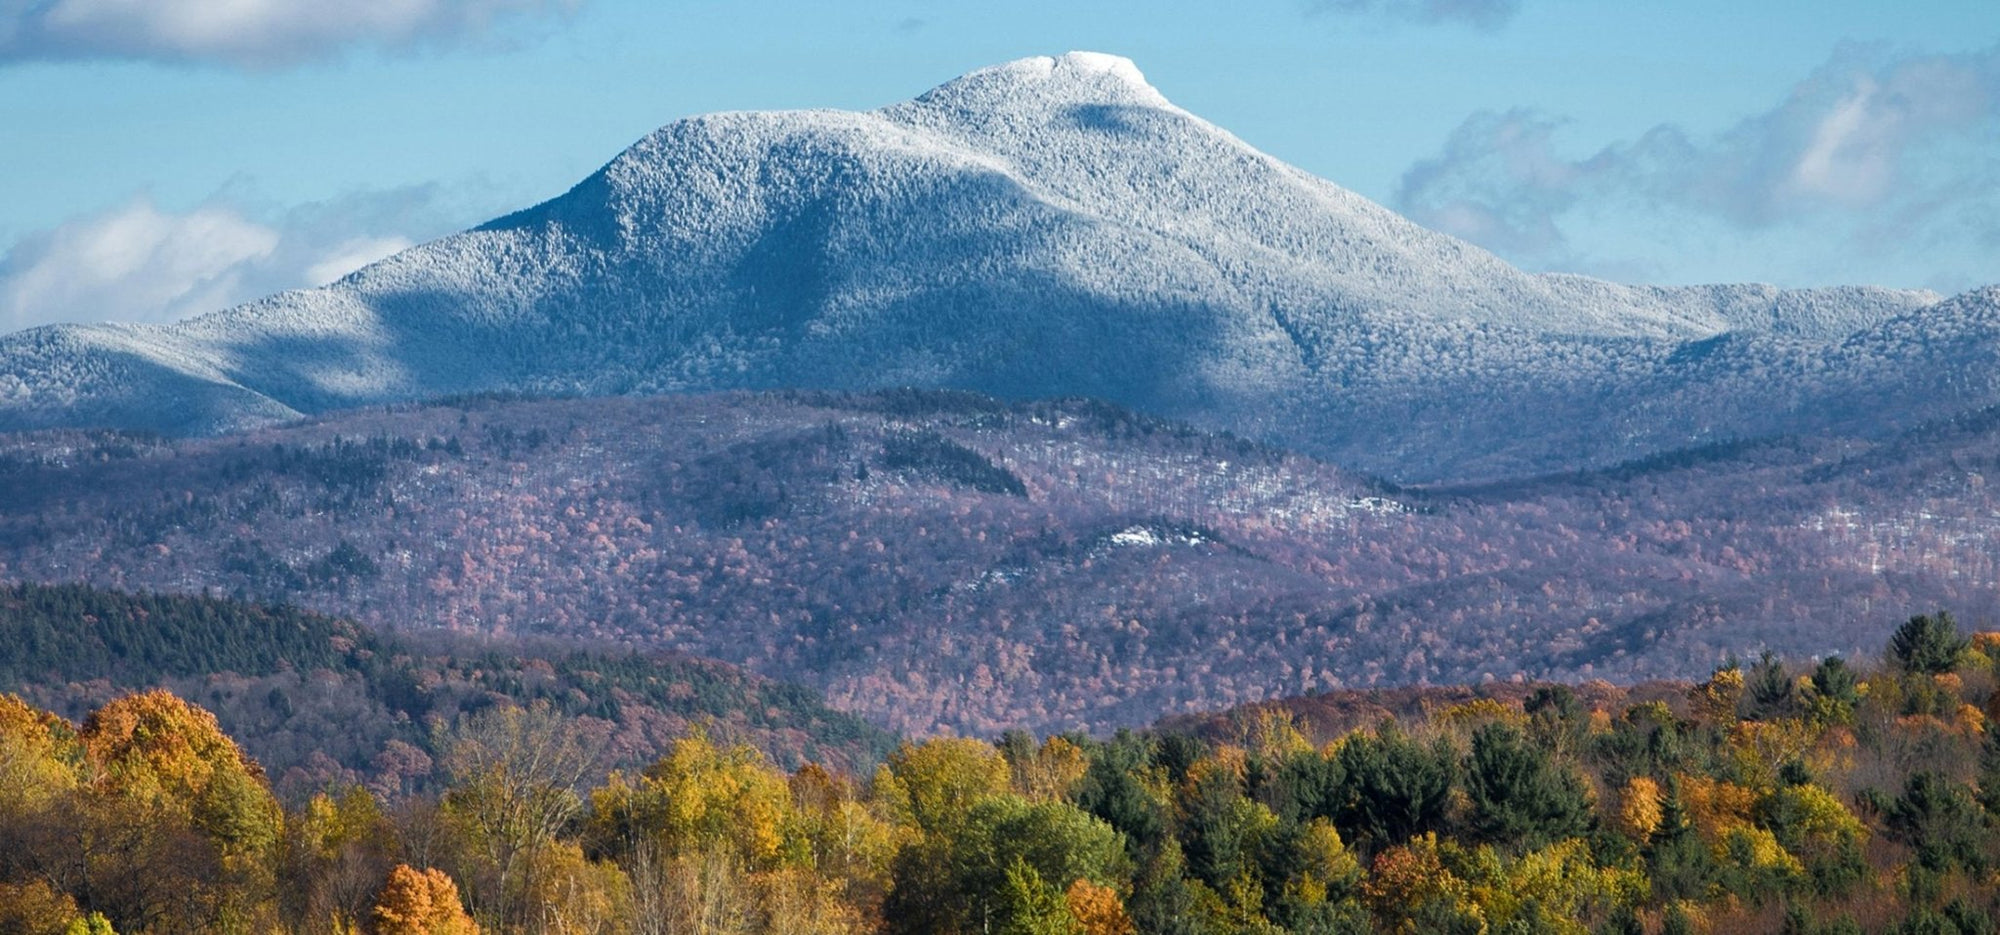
x: 337, y: 850
x: 158, y: 752
x: 1272, y: 733
x: 705, y: 893
x: 1969, y: 720
x: 1758, y: 849
x: 1715, y: 807
x: 1715, y: 701
x: 1480, y: 711
x: 1818, y: 816
x: 795, y: 901
x: 847, y: 841
x: 92, y: 924
x: 414, y: 902
x: 1639, y: 808
x: 1324, y: 865
x: 1228, y: 764
x: 37, y: 757
x: 513, y: 774
x: 173, y: 828
x: 155, y: 741
x: 38, y: 774
x: 702, y: 798
x: 1553, y: 890
x: 932, y: 786
x: 569, y: 894
x: 1759, y: 747
x: 1052, y: 772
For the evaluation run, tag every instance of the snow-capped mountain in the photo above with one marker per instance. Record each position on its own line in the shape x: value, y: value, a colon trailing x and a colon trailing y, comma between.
x: 1051, y: 226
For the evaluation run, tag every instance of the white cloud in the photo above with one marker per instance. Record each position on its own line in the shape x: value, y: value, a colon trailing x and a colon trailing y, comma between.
x: 136, y: 262
x: 256, y: 33
x: 1875, y: 165
x: 1482, y: 14
x: 1839, y: 162
x: 354, y: 254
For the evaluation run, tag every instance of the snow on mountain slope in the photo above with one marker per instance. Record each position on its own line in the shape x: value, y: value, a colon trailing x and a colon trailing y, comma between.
x: 1511, y: 404
x: 1052, y: 226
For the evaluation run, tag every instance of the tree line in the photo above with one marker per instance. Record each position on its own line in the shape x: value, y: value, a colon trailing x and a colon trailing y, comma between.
x: 318, y: 699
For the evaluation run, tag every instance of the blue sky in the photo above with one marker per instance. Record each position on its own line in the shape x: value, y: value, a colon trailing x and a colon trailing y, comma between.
x: 168, y: 157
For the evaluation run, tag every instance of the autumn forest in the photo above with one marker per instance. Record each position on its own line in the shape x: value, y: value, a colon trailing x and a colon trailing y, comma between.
x: 1830, y: 797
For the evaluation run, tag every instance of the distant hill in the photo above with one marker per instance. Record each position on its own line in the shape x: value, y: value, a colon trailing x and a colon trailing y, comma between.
x: 950, y: 561
x: 1046, y: 227
x: 317, y: 699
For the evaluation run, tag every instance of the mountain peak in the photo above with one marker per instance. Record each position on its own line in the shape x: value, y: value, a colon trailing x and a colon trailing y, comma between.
x: 1095, y: 63
x: 1074, y: 77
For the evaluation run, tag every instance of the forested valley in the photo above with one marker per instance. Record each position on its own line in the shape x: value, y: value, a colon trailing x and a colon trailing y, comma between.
x: 946, y: 561
x: 1822, y: 797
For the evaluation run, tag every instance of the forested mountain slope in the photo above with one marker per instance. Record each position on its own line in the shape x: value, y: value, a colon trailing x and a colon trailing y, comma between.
x: 323, y: 702
x: 943, y: 560
x: 1047, y: 227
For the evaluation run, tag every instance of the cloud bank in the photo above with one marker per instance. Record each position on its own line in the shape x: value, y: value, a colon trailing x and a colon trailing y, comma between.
x: 1480, y: 14
x: 250, y: 33
x: 1882, y: 165
x: 136, y: 262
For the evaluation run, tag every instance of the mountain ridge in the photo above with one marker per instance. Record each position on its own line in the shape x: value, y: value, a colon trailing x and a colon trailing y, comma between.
x: 1051, y: 226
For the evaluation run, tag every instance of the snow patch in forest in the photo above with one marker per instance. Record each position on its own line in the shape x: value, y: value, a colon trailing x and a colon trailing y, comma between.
x: 1145, y: 536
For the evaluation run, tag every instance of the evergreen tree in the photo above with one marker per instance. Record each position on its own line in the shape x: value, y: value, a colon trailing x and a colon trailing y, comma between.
x: 1939, y: 818
x: 1111, y: 790
x: 1396, y: 788
x: 1968, y: 918
x: 1678, y: 860
x: 1835, y: 691
x: 1030, y: 906
x: 1222, y: 828
x: 1520, y: 797
x: 1305, y: 786
x: 1771, y: 689
x: 1162, y: 902
x: 1928, y: 644
x: 1989, y: 773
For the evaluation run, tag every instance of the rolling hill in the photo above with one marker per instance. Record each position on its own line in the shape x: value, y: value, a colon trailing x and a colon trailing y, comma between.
x: 951, y: 561
x: 322, y: 702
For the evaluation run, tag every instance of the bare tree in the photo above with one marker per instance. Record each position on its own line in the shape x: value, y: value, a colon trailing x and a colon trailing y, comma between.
x: 514, y: 774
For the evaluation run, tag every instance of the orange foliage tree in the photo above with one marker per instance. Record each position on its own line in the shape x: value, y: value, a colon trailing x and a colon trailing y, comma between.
x: 414, y: 902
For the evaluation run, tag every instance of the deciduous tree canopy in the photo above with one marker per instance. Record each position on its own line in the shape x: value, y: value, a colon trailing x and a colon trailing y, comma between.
x: 1863, y: 803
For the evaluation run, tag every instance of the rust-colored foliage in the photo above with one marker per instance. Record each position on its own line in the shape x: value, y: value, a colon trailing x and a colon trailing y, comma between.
x: 36, y: 908
x: 420, y: 902
x: 1098, y: 909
